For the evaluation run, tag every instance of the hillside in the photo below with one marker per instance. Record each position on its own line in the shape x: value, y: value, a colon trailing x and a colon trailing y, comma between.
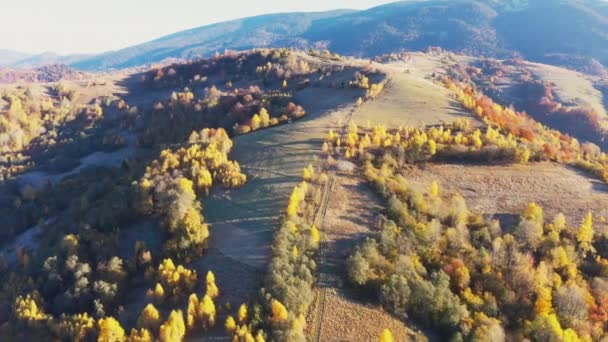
x: 8, y: 57
x: 297, y: 196
x: 47, y: 58
x: 45, y: 73
x: 491, y: 28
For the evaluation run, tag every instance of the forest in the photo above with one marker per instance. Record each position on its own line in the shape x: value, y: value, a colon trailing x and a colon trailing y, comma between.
x: 117, y: 251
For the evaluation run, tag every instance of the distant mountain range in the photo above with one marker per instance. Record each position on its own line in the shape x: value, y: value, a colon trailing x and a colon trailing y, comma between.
x: 538, y: 30
x: 16, y: 59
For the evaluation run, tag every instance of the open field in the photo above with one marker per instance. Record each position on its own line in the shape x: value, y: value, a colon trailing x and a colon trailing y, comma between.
x: 410, y: 100
x: 506, y: 190
x: 243, y: 219
x: 572, y: 88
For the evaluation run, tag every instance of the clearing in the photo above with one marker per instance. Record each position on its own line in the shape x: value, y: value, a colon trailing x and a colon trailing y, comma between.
x: 506, y: 190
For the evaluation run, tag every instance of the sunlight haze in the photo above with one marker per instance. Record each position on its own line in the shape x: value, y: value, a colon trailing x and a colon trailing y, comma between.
x: 72, y: 26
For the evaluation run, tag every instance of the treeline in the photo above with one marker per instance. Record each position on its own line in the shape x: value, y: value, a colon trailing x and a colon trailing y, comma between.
x: 550, y: 144
x: 435, y: 261
x: 238, y: 111
x: 268, y: 66
x: 290, y: 280
x: 456, y: 141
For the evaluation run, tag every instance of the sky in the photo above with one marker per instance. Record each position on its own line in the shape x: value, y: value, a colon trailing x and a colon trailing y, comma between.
x: 87, y: 26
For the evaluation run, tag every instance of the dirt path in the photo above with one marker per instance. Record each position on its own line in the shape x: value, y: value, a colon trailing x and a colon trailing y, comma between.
x: 325, y: 277
x: 347, y: 216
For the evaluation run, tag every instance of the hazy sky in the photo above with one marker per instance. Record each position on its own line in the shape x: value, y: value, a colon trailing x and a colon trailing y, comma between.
x: 87, y: 26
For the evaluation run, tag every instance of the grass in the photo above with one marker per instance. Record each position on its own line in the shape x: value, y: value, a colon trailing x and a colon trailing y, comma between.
x: 410, y: 100
x: 506, y: 190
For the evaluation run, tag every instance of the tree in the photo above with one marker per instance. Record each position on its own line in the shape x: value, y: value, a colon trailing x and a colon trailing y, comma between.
x: 264, y: 117
x: 585, y: 234
x: 543, y: 300
x: 158, y: 294
x: 140, y: 335
x: 230, y: 325
x: 260, y: 337
x: 174, y: 329
x: 78, y: 327
x: 150, y: 318
x: 212, y: 289
x: 395, y: 293
x: 315, y: 236
x: 534, y: 212
x: 255, y: 122
x: 110, y: 330
x: 308, y: 173
x: 242, y: 315
x: 435, y: 189
x: 279, y: 312
x: 386, y: 336
x: 27, y: 309
x: 192, y: 311
x: 571, y: 304
x: 206, y: 312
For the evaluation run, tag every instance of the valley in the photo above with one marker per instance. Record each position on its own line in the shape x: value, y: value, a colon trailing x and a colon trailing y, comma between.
x: 408, y: 172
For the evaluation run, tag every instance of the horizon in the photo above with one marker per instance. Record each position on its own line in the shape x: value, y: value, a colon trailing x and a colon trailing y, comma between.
x: 74, y: 31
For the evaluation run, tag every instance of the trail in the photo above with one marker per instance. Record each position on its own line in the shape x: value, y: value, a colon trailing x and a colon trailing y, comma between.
x: 323, y: 280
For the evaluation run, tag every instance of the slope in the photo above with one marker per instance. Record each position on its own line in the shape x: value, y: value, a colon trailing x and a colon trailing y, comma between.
x: 491, y: 28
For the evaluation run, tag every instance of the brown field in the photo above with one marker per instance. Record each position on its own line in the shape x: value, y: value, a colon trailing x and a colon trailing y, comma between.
x: 409, y: 99
x: 507, y: 189
x: 572, y: 88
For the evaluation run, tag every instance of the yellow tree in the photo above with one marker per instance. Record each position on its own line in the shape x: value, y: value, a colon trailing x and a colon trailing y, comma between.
x: 212, y: 289
x: 192, y: 311
x: 149, y: 318
x: 255, y: 122
x: 386, y: 336
x: 158, y: 295
x: 434, y: 188
x: 27, y: 309
x: 585, y: 234
x: 174, y: 329
x: 264, y: 118
x: 308, y: 173
x: 140, y: 335
x: 315, y: 236
x: 230, y: 325
x: 206, y: 312
x: 260, y: 337
x: 242, y: 315
x: 279, y: 312
x: 110, y: 330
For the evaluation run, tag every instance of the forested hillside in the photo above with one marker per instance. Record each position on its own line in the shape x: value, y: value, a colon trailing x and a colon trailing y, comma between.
x: 491, y: 28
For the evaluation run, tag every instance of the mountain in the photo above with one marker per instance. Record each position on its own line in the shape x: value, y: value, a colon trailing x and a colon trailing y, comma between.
x: 480, y: 27
x: 282, y: 29
x: 8, y: 57
x: 47, y: 58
